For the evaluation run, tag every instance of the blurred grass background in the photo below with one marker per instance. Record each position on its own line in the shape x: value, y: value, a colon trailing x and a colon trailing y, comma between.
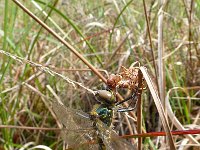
x: 116, y: 34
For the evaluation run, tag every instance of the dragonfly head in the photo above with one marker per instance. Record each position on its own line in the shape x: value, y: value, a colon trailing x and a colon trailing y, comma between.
x: 105, y: 96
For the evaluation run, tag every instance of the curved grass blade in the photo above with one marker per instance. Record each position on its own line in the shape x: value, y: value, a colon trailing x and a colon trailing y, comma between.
x: 76, y: 28
x: 159, y: 107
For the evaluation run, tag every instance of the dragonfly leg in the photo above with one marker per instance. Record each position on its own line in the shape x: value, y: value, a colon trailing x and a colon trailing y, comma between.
x: 133, y: 96
x: 125, y: 109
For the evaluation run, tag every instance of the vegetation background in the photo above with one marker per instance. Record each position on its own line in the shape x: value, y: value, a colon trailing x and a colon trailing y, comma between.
x: 109, y: 34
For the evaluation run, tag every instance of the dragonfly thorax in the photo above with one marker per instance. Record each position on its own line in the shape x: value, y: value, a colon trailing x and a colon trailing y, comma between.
x: 102, y: 112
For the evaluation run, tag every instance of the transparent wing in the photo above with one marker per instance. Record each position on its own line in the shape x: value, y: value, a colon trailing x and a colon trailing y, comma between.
x: 79, y: 128
x: 120, y: 143
x: 71, y: 118
x: 111, y: 140
x: 80, y: 133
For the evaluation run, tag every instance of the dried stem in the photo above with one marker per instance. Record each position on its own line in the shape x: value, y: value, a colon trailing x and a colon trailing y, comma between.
x: 71, y: 48
x: 139, y: 109
x: 150, y: 42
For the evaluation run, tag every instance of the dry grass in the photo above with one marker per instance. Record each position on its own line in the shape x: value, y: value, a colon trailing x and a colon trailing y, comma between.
x: 36, y: 68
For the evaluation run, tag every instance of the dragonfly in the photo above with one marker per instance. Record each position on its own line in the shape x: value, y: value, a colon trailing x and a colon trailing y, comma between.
x: 91, y: 131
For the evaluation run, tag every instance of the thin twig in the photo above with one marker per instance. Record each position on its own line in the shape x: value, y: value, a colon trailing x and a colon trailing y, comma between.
x: 71, y: 48
x: 139, y: 109
x: 45, y: 69
x: 150, y: 42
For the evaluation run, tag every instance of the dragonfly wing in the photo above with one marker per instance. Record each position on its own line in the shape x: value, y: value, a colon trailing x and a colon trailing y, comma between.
x: 111, y: 139
x: 79, y: 127
x: 104, y: 134
x: 117, y: 143
x: 79, y: 141
x: 70, y: 116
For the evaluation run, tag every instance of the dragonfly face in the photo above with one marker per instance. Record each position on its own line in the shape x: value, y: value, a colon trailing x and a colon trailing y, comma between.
x: 106, y: 97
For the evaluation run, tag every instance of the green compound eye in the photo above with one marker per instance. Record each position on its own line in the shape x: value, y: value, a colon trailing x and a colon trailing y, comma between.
x: 105, y: 95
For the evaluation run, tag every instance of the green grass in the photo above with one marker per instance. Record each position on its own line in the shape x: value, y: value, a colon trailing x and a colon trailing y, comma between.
x: 29, y: 104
